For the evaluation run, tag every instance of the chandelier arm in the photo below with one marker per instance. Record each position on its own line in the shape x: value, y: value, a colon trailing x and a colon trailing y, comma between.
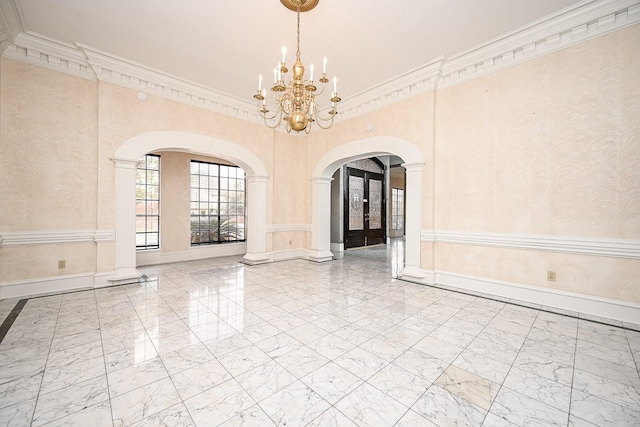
x: 276, y: 123
x: 321, y: 120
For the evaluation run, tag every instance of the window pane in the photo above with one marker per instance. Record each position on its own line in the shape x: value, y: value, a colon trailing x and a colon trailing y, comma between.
x: 215, y: 199
x: 148, y: 202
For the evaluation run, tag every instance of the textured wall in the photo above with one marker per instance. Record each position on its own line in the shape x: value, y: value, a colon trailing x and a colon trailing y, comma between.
x: 550, y: 147
x: 48, y: 180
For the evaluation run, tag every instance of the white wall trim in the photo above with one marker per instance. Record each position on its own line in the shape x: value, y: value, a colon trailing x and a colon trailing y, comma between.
x: 572, y: 25
x: 46, y: 285
x: 30, y: 238
x: 287, y: 254
x: 618, y: 248
x: 282, y: 228
x: 575, y: 24
x: 544, y: 298
x: 153, y: 257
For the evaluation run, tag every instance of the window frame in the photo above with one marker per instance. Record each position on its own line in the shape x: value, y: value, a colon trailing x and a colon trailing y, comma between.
x: 218, y: 196
x: 397, y: 208
x: 142, y: 168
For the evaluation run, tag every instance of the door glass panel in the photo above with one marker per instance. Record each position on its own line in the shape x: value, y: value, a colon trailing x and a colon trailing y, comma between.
x: 375, y: 204
x: 356, y: 193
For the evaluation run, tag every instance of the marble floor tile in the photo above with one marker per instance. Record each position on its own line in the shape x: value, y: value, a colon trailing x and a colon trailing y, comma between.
x: 331, y: 382
x: 602, y: 412
x: 520, y: 410
x: 361, y: 363
x: 554, y: 394
x: 127, y: 379
x: 439, y: 349
x: 215, y: 341
x: 219, y: 403
x: 97, y: 415
x: 265, y: 380
x: 296, y: 404
x: 441, y: 407
x: 252, y: 417
x: 176, y: 415
x: 243, y: 360
x: 185, y: 358
x: 302, y: 361
x: 400, y: 384
x: 368, y: 406
x: 19, y: 414
x: 200, y: 378
x: 55, y: 405
x: 471, y: 387
x: 621, y: 393
x: 545, y: 368
x: 482, y: 365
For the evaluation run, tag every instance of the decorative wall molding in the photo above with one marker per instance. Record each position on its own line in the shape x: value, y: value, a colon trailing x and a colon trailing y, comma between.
x: 30, y: 238
x: 618, y: 248
x: 46, y: 285
x: 562, y: 302
x: 567, y: 27
x: 282, y: 228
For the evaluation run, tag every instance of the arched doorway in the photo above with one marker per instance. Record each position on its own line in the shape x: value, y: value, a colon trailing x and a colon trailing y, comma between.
x: 360, y: 149
x: 128, y: 154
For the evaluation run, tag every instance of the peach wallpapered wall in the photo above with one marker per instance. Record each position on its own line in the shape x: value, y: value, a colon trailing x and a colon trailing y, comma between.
x: 550, y: 147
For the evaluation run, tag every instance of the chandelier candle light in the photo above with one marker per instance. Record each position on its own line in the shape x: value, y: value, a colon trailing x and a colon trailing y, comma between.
x: 296, y: 101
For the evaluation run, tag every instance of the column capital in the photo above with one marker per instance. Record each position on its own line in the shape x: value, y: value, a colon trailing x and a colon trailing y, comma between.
x: 124, y: 163
x: 257, y: 178
x: 321, y: 180
x: 413, y: 167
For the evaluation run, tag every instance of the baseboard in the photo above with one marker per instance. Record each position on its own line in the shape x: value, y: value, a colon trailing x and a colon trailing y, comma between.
x: 154, y: 257
x: 288, y: 254
x: 552, y: 299
x: 46, y: 285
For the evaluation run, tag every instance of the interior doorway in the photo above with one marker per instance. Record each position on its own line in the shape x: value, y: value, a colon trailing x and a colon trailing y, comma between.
x: 365, y: 208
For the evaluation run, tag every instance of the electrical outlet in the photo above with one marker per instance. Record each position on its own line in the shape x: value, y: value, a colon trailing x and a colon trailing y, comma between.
x: 551, y: 276
x: 62, y: 264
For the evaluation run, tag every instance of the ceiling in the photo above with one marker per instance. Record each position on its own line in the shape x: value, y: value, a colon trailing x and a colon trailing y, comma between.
x: 224, y: 44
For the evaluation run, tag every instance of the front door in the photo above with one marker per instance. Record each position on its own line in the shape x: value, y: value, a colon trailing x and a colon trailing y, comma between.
x: 364, y: 209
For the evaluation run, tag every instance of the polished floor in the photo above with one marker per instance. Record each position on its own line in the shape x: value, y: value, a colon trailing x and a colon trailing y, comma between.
x: 293, y: 343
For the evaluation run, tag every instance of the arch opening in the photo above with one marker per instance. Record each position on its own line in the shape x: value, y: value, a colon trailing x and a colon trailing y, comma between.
x: 128, y: 154
x: 360, y: 149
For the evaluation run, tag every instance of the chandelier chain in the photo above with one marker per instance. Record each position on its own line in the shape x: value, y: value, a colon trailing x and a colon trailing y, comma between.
x: 298, y: 47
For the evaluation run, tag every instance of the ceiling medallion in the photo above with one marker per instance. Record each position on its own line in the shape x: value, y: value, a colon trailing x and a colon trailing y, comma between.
x: 305, y: 5
x: 295, y: 101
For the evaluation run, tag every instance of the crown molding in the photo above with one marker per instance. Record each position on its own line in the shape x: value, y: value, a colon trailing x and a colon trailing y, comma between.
x: 11, y: 22
x: 46, y: 52
x: 575, y: 24
x: 617, y: 248
x: 123, y: 72
x: 567, y: 27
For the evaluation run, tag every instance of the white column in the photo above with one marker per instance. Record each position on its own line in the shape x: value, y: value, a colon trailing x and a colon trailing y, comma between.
x: 257, y: 220
x: 413, y: 214
x: 125, y: 230
x: 320, y: 220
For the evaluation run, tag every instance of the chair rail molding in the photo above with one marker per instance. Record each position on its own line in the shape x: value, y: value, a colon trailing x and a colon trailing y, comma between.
x: 618, y: 248
x: 31, y: 238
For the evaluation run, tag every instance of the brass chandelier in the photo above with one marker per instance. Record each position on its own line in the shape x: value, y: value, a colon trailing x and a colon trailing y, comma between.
x: 295, y: 101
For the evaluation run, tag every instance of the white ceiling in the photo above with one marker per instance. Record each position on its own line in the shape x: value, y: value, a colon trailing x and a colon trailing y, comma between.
x: 225, y: 44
